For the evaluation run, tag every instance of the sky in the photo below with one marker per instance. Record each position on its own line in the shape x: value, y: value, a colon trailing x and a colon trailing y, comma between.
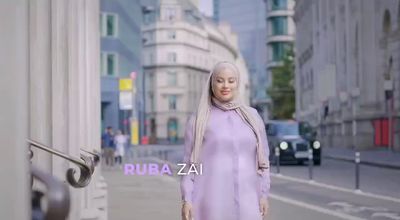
x: 206, y: 7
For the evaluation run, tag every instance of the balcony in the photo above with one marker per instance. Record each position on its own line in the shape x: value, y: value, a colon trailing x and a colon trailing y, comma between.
x: 272, y: 63
x: 280, y: 38
x: 281, y: 12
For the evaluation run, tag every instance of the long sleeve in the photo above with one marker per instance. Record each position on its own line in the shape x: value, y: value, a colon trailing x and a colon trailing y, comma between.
x: 186, y: 183
x: 265, y: 180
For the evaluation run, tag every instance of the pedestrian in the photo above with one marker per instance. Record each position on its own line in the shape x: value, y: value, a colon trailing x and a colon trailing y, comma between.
x: 107, y: 140
x: 120, y: 141
x: 228, y: 139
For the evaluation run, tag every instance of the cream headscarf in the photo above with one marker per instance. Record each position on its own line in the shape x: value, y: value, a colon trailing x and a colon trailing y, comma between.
x: 207, y: 99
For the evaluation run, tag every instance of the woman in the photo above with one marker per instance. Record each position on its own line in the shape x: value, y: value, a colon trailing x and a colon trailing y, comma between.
x: 228, y: 139
x: 120, y: 141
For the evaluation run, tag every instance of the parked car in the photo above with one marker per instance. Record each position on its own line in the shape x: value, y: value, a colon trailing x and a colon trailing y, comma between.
x: 293, y: 139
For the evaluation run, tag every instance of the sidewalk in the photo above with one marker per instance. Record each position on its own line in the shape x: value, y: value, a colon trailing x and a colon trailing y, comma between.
x: 378, y: 157
x: 141, y: 197
x: 149, y: 197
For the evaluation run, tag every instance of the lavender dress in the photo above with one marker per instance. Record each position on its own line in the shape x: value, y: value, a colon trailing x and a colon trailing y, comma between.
x: 229, y: 188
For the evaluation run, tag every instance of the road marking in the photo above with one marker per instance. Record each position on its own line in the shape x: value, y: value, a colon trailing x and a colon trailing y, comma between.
x: 314, y: 208
x: 393, y: 216
x: 358, y: 192
x: 350, y: 208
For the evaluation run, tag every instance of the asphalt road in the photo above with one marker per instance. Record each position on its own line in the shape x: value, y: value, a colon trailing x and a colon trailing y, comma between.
x: 333, y: 201
x: 376, y: 180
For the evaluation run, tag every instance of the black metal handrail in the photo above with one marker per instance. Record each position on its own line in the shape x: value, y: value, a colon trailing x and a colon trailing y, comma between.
x: 58, y: 199
x: 86, y: 166
x: 96, y: 156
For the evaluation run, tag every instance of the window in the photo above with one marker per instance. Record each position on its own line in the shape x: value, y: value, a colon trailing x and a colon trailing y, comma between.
x: 150, y: 81
x: 151, y: 102
x: 151, y: 58
x: 148, y: 37
x: 109, y: 25
x: 279, y: 25
x: 172, y: 102
x: 148, y: 17
x: 170, y: 13
x: 172, y: 79
x: 386, y: 23
x: 172, y: 35
x: 109, y: 64
x: 172, y: 130
x: 172, y: 57
x: 278, y: 4
x: 278, y: 50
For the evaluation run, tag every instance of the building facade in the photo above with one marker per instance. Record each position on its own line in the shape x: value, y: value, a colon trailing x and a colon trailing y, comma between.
x: 121, y: 45
x: 180, y: 48
x: 280, y: 29
x: 281, y: 32
x: 347, y: 63
x: 250, y: 27
x: 50, y: 84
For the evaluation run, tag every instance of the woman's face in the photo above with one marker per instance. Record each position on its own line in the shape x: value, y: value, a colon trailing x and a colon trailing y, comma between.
x: 225, y: 85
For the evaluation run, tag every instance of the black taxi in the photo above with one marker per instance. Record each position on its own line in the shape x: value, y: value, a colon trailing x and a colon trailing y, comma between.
x: 293, y: 139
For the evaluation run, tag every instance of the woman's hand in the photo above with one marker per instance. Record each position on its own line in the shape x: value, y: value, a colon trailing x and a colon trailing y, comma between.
x: 187, y: 213
x: 263, y: 206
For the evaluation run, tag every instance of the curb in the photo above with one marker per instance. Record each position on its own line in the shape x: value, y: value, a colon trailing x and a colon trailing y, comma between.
x: 369, y: 163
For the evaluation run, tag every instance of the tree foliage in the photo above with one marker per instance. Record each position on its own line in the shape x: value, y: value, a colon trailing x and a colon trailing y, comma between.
x: 282, y: 91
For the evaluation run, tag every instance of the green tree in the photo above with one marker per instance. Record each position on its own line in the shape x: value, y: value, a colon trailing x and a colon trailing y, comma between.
x: 281, y: 91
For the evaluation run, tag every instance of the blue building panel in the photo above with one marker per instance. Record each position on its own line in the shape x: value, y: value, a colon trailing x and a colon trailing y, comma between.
x: 127, y: 45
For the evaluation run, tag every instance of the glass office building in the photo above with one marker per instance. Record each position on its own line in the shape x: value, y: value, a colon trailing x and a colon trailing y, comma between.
x: 280, y: 30
x: 247, y: 19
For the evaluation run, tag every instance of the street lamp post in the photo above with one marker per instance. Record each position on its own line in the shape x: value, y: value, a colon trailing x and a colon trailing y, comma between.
x: 354, y: 93
x: 354, y: 123
x: 357, y: 166
x: 388, y: 86
x: 310, y: 164
x: 134, y: 111
x: 277, y: 156
x: 343, y: 97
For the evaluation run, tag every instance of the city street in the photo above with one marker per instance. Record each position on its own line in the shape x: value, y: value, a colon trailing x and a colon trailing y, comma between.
x: 373, y: 179
x: 333, y: 201
x: 331, y: 196
x: 376, y: 180
x: 89, y: 83
x: 158, y: 197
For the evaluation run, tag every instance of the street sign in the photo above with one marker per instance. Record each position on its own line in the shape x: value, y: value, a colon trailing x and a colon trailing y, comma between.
x: 125, y: 84
x: 125, y: 100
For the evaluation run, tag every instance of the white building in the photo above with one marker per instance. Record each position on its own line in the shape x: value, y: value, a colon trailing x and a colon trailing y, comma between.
x: 50, y: 94
x: 347, y: 53
x: 180, y: 48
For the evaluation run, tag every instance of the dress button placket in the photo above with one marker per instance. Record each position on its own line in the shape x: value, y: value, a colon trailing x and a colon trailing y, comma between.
x: 235, y: 166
